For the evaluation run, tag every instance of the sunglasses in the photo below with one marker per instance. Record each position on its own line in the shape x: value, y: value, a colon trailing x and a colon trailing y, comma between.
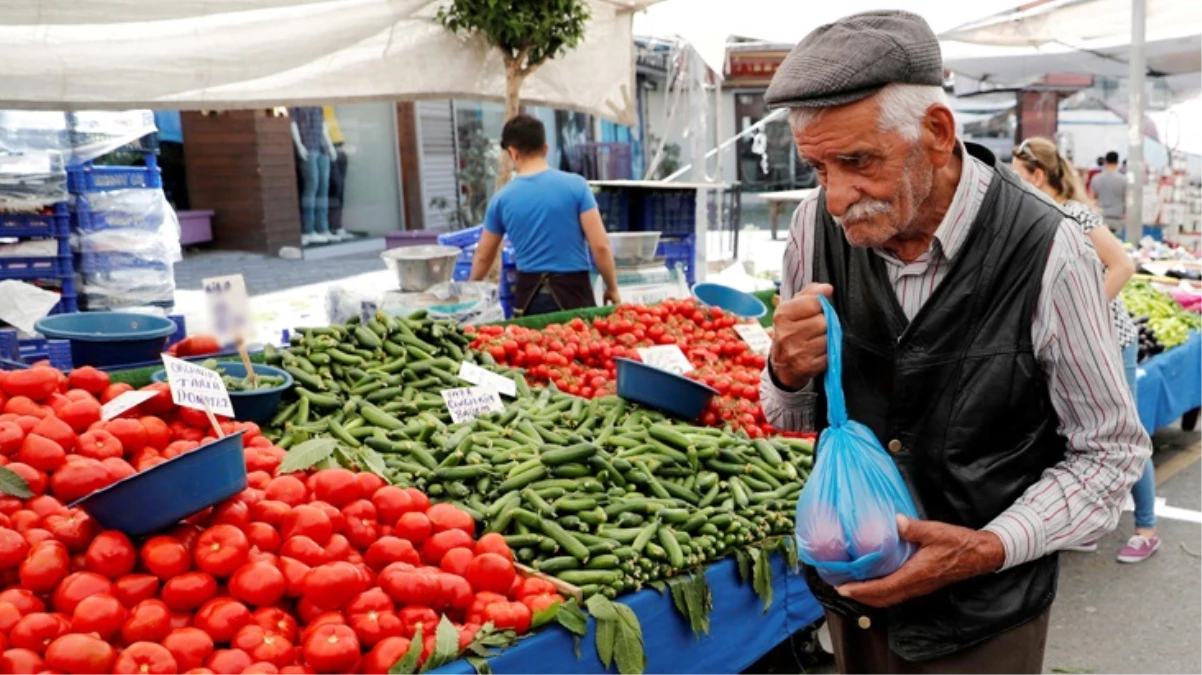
x: 1024, y: 149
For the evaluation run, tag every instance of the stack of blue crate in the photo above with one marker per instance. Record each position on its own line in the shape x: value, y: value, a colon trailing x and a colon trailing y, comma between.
x: 57, y: 270
x: 467, y: 241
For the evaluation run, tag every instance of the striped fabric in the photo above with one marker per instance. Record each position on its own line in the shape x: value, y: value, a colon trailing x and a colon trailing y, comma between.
x: 1080, y: 498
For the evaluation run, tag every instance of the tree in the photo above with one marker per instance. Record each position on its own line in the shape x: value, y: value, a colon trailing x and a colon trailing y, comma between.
x: 527, y: 33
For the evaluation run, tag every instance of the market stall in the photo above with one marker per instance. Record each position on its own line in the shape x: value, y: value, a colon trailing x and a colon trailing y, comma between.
x: 1170, y: 384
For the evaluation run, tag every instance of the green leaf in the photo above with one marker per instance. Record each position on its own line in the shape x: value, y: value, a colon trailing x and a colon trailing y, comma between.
x: 344, y: 458
x: 628, y: 644
x: 699, y: 602
x: 480, y: 664
x: 571, y: 617
x: 602, y: 608
x: 744, y: 565
x: 789, y: 547
x: 373, y: 462
x: 607, y: 633
x: 659, y: 586
x: 545, y: 615
x: 408, y: 663
x: 307, y: 454
x: 12, y: 484
x: 678, y: 591
x: 446, y: 645
x: 762, y: 577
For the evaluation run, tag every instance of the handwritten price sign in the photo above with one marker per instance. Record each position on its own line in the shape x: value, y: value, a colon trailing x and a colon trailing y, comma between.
x: 666, y: 357
x: 468, y: 403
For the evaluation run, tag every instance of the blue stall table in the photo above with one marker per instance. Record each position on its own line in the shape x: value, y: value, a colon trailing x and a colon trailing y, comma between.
x: 1170, y: 383
x: 740, y: 630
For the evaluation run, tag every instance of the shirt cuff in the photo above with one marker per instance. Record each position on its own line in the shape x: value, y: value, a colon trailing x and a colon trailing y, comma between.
x: 1023, y: 535
x: 789, y: 410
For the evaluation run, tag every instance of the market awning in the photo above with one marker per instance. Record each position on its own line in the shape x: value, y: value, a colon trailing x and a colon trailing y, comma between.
x: 211, y: 54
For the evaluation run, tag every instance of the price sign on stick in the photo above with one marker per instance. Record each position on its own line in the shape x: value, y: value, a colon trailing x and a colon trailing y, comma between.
x: 200, y: 388
x: 468, y: 403
x: 666, y: 357
x: 477, y: 375
x: 755, y: 336
x: 124, y: 402
x: 229, y: 308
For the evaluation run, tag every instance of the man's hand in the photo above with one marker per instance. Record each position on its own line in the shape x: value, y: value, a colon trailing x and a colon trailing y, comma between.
x: 799, y: 348
x: 946, y: 554
x: 612, y: 297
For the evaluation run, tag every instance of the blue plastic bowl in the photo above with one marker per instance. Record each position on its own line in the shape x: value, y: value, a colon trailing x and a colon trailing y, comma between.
x: 249, y: 406
x: 166, y: 494
x: 109, y: 338
x: 736, y: 302
x: 678, y: 396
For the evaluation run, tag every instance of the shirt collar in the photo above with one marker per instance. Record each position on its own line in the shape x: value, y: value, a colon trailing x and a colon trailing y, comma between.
x: 953, y: 230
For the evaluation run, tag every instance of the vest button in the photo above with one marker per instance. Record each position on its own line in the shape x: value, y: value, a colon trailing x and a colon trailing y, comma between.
x: 895, y: 445
x: 865, y: 622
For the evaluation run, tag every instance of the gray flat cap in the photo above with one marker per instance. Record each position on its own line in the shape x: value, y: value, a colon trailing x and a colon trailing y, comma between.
x: 854, y: 57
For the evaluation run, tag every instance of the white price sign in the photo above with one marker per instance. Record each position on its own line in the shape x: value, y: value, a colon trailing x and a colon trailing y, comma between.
x: 124, y: 402
x: 195, y: 387
x: 229, y: 307
x: 468, y: 403
x: 477, y: 375
x: 666, y: 357
x: 755, y: 336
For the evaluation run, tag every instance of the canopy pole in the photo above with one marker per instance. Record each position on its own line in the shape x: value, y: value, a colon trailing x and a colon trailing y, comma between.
x: 774, y: 115
x: 1135, y: 123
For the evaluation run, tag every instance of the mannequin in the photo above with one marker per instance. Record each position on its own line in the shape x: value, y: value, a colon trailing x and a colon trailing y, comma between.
x: 315, y: 151
x: 337, y: 174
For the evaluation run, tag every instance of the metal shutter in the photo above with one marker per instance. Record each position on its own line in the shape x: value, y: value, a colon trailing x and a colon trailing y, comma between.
x: 439, y: 160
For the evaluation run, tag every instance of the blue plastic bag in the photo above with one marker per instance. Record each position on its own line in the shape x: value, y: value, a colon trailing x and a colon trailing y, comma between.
x: 846, y: 523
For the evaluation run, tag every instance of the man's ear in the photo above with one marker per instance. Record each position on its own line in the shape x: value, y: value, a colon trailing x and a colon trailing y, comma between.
x: 939, y: 135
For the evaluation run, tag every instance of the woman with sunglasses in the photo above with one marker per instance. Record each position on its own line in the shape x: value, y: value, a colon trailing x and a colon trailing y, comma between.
x: 1040, y: 164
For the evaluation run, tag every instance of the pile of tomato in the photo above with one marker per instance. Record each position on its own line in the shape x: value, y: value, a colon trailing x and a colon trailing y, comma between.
x: 325, y: 571
x: 578, y: 356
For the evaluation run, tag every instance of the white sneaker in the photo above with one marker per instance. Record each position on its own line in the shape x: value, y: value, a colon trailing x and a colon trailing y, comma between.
x: 307, y: 239
x: 322, y: 237
x: 341, y: 235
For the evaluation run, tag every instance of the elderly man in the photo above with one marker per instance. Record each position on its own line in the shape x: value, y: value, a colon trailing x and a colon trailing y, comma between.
x: 977, y: 347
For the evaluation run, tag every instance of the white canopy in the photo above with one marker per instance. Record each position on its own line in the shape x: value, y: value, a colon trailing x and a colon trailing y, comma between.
x: 211, y: 54
x: 1089, y: 37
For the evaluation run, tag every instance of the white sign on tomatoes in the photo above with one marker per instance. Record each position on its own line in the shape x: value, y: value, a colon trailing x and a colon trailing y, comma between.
x: 755, y: 336
x: 477, y: 375
x: 666, y: 357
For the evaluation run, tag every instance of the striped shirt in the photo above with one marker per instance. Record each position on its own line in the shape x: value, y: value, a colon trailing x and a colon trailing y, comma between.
x: 1080, y: 498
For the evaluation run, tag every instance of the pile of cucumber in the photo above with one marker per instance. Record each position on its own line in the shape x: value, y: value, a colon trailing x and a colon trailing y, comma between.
x: 599, y: 493
x: 246, y: 383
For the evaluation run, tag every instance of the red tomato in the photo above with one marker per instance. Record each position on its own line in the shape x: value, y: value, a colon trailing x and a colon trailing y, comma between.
x: 307, y: 521
x: 221, y: 618
x: 373, y: 626
x: 89, y: 379
x: 100, y: 614
x: 490, y: 572
x: 191, y: 647
x: 407, y: 586
x: 24, y: 661
x: 436, y: 547
x: 145, y: 658
x: 494, y: 543
x: 36, y: 631
x: 263, y: 645
x: 78, y: 654
x: 332, y: 585
x: 13, y: 548
x: 23, y: 599
x: 228, y: 660
x: 79, y: 478
x: 131, y: 433
x: 149, y: 621
x: 258, y: 584
x: 277, y: 621
x: 131, y: 589
x: 509, y: 616
x: 448, y: 517
x: 76, y: 587
x: 11, y: 436
x: 384, y: 655
x: 287, y: 489
x: 337, y: 487
x: 415, y: 616
x: 387, y: 550
x: 41, y: 453
x: 456, y: 561
x: 263, y: 537
x: 165, y: 557
x: 47, y: 564
x: 415, y: 527
x: 221, y: 550
x: 332, y: 649
x: 186, y: 592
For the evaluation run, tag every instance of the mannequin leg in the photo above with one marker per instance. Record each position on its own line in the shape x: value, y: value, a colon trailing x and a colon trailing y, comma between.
x: 308, y: 192
x: 337, y: 189
x: 322, y: 202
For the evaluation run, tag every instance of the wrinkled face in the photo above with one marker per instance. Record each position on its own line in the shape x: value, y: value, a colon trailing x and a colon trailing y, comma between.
x: 875, y: 181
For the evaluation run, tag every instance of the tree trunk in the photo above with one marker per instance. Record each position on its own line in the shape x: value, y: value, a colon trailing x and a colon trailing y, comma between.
x: 513, y: 104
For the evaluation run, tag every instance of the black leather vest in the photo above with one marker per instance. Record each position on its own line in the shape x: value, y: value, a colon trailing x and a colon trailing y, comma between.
x: 960, y: 389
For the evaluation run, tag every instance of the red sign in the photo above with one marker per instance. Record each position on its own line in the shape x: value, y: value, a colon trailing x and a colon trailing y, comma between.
x: 753, y: 68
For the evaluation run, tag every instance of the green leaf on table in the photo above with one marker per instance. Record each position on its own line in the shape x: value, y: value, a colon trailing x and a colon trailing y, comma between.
x: 607, y: 634
x: 629, y: 652
x: 13, y: 485
x: 762, y: 577
x: 660, y: 586
x: 307, y: 454
x: 677, y: 585
x: 545, y: 615
x: 480, y: 665
x: 601, y: 608
x: 699, y: 601
x: 407, y: 665
x: 571, y: 617
x: 446, y: 645
x: 789, y: 548
x: 744, y: 562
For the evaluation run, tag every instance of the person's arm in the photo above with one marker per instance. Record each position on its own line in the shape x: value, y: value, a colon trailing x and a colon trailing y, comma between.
x: 1119, y: 266
x: 300, y: 145
x: 603, y: 255
x: 325, y: 137
x: 490, y: 240
x: 792, y: 409
x: 1079, y: 498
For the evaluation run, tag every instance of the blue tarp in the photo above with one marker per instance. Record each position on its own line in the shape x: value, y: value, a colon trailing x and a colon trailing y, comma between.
x: 740, y: 630
x: 1170, y: 383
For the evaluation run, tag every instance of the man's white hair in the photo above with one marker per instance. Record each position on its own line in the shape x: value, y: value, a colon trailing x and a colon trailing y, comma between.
x: 902, y: 108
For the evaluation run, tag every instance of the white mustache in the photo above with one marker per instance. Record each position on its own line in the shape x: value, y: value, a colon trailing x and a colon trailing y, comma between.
x: 862, y: 210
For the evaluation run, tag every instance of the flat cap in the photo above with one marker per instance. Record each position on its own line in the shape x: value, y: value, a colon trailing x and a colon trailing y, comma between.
x: 854, y: 57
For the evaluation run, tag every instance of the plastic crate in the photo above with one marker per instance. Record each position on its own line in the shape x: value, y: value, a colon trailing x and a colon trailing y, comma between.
x: 462, y: 238
x: 48, y: 267
x: 87, y: 220
x: 90, y: 178
x: 679, y: 251
x: 507, y: 307
x: 669, y: 211
x: 16, y: 353
x: 615, y: 210
x: 463, y: 271
x: 116, y: 261
x: 26, y: 225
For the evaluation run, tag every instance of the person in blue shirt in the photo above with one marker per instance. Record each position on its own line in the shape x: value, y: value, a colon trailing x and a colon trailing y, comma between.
x: 552, y: 220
